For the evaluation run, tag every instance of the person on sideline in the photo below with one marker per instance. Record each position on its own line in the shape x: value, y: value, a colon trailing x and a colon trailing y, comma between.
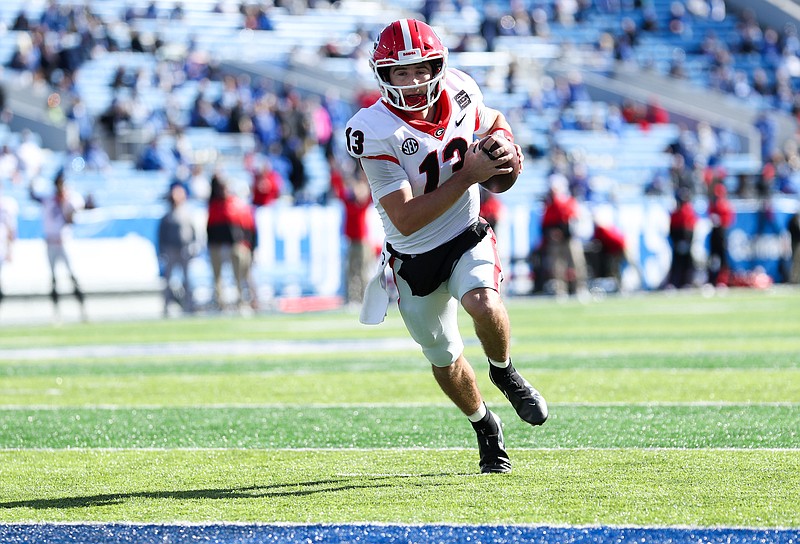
x: 793, y: 226
x: 351, y: 187
x: 9, y: 210
x: 58, y: 214
x: 177, y: 244
x: 722, y: 216
x: 231, y: 238
x: 416, y: 148
x: 562, y: 249
x: 682, y: 222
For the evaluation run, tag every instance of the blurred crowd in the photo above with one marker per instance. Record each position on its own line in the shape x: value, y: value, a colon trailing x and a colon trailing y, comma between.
x: 286, y: 123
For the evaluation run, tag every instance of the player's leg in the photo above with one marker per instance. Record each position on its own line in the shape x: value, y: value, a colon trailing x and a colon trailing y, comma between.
x: 475, y: 280
x: 490, y: 320
x: 458, y: 383
x: 432, y: 323
x: 52, y: 258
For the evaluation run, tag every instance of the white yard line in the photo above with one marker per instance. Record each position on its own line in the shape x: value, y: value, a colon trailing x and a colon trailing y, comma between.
x: 235, y: 347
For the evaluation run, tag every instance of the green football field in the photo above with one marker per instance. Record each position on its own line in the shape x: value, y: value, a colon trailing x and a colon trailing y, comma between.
x: 667, y: 409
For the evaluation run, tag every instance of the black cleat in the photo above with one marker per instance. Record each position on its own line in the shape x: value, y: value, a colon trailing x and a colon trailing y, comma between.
x: 527, y: 401
x: 491, y: 446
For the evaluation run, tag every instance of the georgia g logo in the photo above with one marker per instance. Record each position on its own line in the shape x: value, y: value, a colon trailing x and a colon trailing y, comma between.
x: 410, y: 146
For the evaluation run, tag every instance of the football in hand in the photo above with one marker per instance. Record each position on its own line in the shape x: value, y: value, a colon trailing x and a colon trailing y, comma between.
x: 501, y: 182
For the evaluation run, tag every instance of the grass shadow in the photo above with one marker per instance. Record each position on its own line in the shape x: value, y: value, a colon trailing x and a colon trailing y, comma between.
x: 299, y: 489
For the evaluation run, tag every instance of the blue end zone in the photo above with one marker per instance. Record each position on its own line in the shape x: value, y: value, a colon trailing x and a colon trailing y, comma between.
x: 380, y: 534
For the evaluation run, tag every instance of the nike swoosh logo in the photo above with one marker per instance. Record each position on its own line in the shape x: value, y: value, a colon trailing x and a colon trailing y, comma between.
x: 458, y: 123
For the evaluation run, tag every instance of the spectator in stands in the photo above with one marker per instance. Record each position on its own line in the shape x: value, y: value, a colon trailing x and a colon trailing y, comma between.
x: 322, y: 125
x: 490, y: 25
x: 429, y: 9
x: 650, y: 22
x: 786, y: 165
x: 79, y: 118
x: 685, y: 145
x: 707, y: 142
x: 623, y: 49
x: 232, y: 237
x: 750, y: 34
x: 681, y: 177
x: 761, y: 83
x: 679, y: 21
x: 266, y: 125
x: 21, y: 22
x: 151, y: 11
x: 198, y: 182
x: 152, y: 157
x: 267, y: 183
x: 177, y: 13
x: 30, y: 153
x: 614, y: 122
x: 722, y: 215
x: 681, y: 235
x: 634, y: 113
x: 579, y: 181
x: 205, y: 114
x: 177, y: 245
x: 257, y: 18
x: 58, y: 213
x: 296, y: 138
x: 767, y: 130
x: 9, y: 210
x: 9, y: 165
x: 656, y: 113
x: 95, y: 156
x: 350, y: 185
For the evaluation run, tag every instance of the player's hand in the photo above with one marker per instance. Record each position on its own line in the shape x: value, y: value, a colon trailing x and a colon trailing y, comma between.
x: 521, y: 157
x: 480, y: 165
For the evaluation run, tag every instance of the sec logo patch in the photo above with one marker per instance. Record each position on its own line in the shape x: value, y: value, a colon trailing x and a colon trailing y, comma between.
x: 410, y: 146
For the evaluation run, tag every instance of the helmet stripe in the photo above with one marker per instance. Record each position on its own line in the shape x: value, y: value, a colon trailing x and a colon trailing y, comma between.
x: 407, y: 39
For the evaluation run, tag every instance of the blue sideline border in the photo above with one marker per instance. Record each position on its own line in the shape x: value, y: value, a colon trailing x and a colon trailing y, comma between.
x: 105, y: 533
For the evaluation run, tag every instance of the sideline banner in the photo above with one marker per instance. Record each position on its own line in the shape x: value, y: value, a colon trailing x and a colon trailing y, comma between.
x: 301, y: 248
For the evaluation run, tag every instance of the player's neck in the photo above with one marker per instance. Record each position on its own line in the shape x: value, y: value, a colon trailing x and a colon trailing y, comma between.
x: 427, y: 114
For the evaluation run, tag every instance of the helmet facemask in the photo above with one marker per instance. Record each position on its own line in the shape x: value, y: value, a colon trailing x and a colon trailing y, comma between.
x: 429, y: 91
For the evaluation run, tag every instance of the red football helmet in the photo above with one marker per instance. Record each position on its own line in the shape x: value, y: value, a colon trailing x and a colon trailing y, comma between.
x: 402, y: 43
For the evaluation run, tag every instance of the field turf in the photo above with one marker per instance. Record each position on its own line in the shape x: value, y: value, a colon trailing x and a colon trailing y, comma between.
x: 667, y: 410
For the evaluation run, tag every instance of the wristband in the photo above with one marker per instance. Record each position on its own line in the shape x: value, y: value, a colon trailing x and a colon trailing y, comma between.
x: 505, y: 132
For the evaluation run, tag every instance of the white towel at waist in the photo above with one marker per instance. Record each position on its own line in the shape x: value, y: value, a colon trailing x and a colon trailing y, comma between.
x: 376, y: 297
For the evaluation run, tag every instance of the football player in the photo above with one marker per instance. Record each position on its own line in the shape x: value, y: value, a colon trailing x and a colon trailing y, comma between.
x: 417, y: 147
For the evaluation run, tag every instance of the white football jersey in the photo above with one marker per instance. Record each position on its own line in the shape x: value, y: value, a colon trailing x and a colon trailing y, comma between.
x: 396, y: 152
